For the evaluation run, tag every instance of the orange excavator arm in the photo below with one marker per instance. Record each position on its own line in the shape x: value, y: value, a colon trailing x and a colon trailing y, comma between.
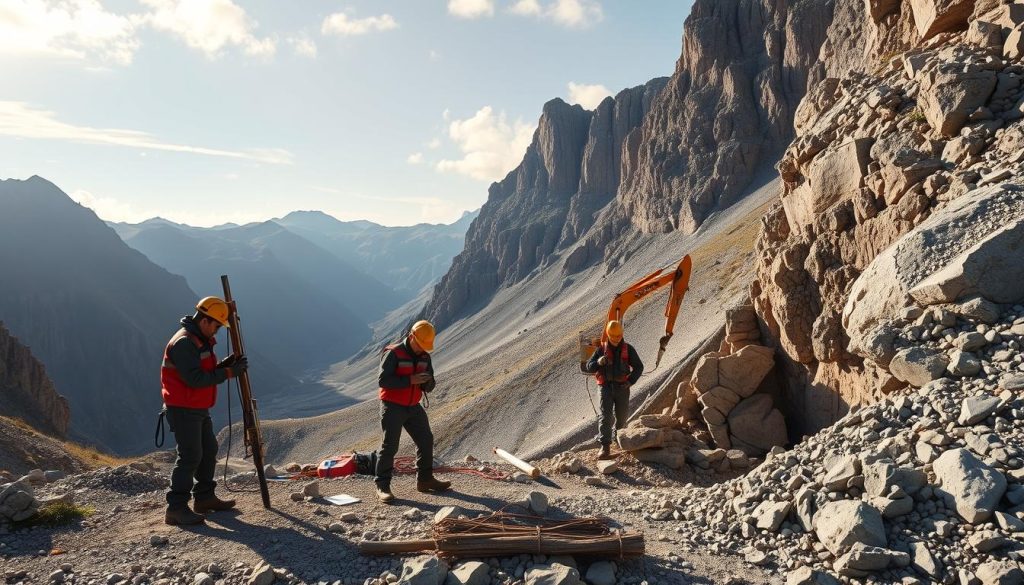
x: 679, y: 279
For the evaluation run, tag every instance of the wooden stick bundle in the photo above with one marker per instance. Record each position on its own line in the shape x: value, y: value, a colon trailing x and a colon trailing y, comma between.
x: 503, y: 534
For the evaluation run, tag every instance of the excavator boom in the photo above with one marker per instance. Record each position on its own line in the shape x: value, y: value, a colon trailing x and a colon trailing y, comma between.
x: 679, y: 279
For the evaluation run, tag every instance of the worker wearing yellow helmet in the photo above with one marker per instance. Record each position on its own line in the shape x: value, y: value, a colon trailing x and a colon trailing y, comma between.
x: 617, y: 367
x: 406, y: 372
x: 189, y: 376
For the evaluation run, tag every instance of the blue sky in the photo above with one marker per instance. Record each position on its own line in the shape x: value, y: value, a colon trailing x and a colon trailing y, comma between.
x: 208, y: 111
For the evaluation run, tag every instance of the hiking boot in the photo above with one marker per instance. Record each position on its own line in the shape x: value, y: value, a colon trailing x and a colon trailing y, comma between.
x: 213, y: 504
x: 606, y: 453
x: 182, y: 517
x: 432, y: 485
x: 384, y: 495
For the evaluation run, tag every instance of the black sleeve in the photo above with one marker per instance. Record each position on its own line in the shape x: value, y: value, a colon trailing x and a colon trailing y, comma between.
x: 387, y: 377
x: 592, y: 362
x: 635, y: 364
x: 429, y: 386
x: 185, y: 356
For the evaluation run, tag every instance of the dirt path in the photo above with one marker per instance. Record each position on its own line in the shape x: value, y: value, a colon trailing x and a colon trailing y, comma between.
x: 295, y: 538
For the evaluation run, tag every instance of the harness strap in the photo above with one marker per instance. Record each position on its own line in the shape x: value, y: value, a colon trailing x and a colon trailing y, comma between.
x: 159, y: 435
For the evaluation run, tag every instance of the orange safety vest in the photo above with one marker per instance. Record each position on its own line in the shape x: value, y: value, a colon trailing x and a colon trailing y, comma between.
x: 610, y: 363
x: 174, y: 390
x: 408, y: 364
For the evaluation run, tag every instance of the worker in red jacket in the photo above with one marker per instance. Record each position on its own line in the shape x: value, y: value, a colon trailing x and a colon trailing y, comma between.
x: 406, y: 372
x: 189, y: 377
x: 617, y: 367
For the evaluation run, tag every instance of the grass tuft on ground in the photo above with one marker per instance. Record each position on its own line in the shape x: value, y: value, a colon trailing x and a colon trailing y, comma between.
x: 57, y: 514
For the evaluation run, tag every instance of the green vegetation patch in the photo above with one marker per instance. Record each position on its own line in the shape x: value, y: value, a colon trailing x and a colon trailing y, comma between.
x: 57, y: 514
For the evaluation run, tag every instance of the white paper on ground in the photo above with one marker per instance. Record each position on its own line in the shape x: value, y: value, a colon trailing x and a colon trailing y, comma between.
x: 342, y: 500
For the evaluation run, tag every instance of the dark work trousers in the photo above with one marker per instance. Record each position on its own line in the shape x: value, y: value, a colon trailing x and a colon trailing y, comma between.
x: 614, y: 403
x: 393, y: 418
x: 197, y: 455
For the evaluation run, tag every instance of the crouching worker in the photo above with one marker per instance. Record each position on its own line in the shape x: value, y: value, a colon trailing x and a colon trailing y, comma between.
x: 617, y: 367
x: 405, y: 374
x: 189, y: 377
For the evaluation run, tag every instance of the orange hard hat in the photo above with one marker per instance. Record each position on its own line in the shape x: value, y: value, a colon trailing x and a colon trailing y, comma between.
x: 614, y: 331
x: 423, y: 333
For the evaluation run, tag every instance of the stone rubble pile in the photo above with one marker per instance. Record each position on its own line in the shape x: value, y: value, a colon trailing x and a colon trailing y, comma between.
x: 17, y: 502
x: 929, y: 132
x: 924, y: 486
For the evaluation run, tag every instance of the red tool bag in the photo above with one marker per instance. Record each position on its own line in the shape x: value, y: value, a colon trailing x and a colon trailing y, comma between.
x: 337, y: 466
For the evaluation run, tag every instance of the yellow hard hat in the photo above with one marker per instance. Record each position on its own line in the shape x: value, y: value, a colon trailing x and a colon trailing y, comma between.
x: 214, y: 308
x: 614, y: 331
x: 423, y: 333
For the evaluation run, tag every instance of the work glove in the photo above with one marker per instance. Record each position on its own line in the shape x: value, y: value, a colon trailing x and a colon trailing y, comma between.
x: 226, y: 362
x: 602, y: 361
x: 420, y: 378
x: 239, y: 367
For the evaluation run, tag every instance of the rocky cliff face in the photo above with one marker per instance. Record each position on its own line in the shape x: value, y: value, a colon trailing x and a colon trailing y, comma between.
x: 26, y: 392
x: 881, y: 214
x: 569, y: 173
x: 726, y: 110
x: 667, y: 153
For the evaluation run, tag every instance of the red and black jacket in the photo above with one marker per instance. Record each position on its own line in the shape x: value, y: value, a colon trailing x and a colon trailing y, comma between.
x: 622, y: 364
x: 397, y: 364
x: 189, y: 374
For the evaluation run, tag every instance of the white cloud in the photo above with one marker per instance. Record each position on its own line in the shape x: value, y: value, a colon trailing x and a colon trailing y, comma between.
x: 303, y: 46
x: 588, y: 96
x: 471, y: 8
x: 108, y: 208
x: 22, y: 120
x: 490, y: 145
x: 567, y: 13
x: 339, y: 23
x: 78, y: 29
x: 208, y: 25
x: 526, y: 8
x: 415, y: 158
x: 434, y: 144
x: 576, y: 13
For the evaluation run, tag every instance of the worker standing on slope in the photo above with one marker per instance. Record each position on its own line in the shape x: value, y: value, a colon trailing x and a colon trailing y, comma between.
x: 405, y: 374
x: 617, y: 367
x: 189, y: 377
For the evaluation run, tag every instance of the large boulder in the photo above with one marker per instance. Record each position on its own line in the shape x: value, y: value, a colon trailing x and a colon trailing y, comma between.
x: 841, y: 524
x: 881, y: 477
x: 863, y: 558
x: 755, y: 426
x: 1000, y: 572
x: 636, y: 438
x: 719, y: 398
x: 705, y: 374
x: 555, y: 574
x: 840, y: 470
x: 743, y: 371
x: 425, y: 570
x: 808, y: 576
x: 991, y: 268
x: 932, y: 17
x: 949, y: 98
x: 883, y: 288
x: 974, y: 487
x: 470, y: 573
x: 918, y: 365
x: 977, y: 408
x: 769, y: 515
x: 832, y: 176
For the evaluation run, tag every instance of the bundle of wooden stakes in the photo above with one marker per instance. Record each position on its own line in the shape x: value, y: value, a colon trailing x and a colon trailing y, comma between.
x: 503, y: 534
